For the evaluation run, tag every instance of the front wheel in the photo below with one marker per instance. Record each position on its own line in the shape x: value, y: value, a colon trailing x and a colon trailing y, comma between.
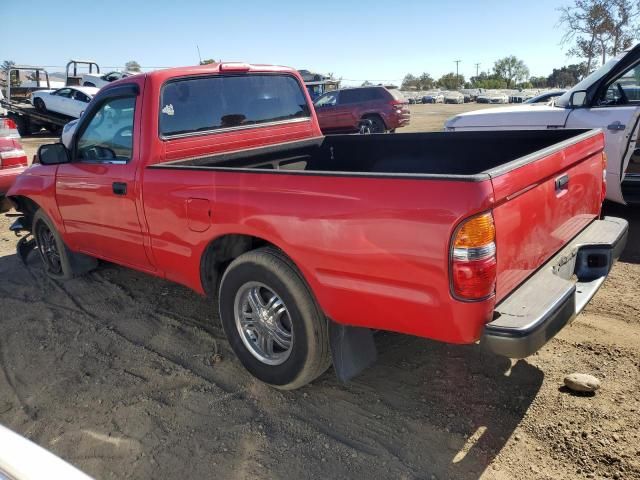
x: 39, y: 104
x: 272, y: 321
x: 59, y: 262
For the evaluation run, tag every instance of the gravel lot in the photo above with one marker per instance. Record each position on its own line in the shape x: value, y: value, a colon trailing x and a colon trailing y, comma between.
x: 113, y: 373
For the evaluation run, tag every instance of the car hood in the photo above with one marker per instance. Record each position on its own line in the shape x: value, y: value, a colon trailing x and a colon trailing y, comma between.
x: 520, y: 116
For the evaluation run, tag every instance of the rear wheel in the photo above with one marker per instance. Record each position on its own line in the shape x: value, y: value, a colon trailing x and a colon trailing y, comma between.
x: 39, y: 104
x: 377, y: 125
x: 59, y: 262
x: 272, y: 321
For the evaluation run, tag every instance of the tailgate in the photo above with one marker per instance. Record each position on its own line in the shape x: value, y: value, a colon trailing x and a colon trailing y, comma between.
x: 543, y: 201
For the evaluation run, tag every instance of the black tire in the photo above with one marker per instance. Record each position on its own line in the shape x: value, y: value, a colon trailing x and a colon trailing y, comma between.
x: 39, y: 104
x: 309, y: 355
x: 88, y: 84
x: 377, y: 124
x: 59, y: 262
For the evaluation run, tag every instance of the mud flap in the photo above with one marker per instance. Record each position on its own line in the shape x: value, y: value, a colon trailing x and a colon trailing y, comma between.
x: 25, y: 245
x: 352, y: 350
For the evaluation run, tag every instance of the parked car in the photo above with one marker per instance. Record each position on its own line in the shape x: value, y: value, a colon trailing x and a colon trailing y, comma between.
x: 433, y: 97
x: 545, y: 98
x: 598, y: 101
x: 492, y: 97
x: 341, y: 111
x: 453, y: 97
x: 225, y: 183
x: 13, y: 159
x: 69, y: 101
x: 470, y: 94
x: 97, y: 80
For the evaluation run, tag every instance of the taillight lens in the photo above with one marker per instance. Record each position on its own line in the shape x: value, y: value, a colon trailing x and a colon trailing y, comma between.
x: 8, y: 128
x: 12, y: 157
x: 604, y: 176
x: 473, y: 258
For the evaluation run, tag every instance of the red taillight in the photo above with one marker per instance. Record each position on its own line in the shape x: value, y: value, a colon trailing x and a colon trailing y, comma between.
x: 604, y: 177
x: 12, y: 157
x: 8, y: 128
x: 473, y: 258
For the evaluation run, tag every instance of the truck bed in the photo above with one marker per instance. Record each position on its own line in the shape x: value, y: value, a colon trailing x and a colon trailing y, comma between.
x: 391, y: 201
x: 461, y: 156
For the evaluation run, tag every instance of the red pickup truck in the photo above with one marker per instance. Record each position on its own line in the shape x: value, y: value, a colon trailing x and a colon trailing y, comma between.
x: 218, y: 177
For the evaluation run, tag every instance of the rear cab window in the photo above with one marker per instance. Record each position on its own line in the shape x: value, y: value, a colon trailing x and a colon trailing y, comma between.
x: 196, y: 105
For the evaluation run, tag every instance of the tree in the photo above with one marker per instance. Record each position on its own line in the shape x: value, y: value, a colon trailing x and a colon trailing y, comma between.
x: 621, y: 25
x: 5, y: 67
x: 366, y: 83
x: 132, y: 66
x: 599, y: 27
x: 451, y: 81
x: 488, y: 81
x: 207, y: 61
x: 538, y: 82
x: 567, y: 76
x: 511, y: 70
x: 426, y: 82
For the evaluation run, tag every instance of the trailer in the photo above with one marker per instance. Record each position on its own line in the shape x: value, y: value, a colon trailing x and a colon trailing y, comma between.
x: 21, y: 82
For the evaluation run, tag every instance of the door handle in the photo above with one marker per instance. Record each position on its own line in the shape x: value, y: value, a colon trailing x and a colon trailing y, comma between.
x: 562, y: 183
x: 616, y: 126
x: 119, y: 188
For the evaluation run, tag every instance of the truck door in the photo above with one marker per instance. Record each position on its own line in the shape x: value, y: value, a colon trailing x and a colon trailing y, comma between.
x: 96, y: 193
x: 616, y: 109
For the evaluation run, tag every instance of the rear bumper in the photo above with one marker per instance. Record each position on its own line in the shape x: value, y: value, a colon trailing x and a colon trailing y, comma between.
x: 551, y: 298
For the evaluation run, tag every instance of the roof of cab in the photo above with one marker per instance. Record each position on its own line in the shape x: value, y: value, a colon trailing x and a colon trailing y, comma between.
x: 218, y: 68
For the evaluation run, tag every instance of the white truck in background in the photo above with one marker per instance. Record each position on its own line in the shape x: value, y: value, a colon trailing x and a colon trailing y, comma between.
x: 609, y: 98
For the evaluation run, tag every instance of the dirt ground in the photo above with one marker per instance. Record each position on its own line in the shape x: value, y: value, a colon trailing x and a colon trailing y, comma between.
x: 113, y: 373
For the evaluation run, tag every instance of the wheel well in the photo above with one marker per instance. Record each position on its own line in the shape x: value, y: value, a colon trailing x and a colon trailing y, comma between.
x: 370, y: 115
x: 220, y: 253
x: 26, y: 206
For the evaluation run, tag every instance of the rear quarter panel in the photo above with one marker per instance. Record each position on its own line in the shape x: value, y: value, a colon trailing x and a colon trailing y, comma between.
x: 374, y: 250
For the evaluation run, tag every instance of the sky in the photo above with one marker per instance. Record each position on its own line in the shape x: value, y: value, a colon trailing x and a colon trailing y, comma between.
x: 373, y: 40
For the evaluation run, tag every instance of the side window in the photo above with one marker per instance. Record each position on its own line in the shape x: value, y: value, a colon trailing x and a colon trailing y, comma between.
x: 351, y: 96
x: 109, y: 134
x: 63, y: 92
x: 211, y: 103
x: 81, y: 97
x: 624, y: 90
x: 328, y: 100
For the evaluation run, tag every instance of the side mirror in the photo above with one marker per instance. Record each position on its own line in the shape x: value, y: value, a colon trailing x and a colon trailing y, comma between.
x: 53, y: 154
x: 578, y: 98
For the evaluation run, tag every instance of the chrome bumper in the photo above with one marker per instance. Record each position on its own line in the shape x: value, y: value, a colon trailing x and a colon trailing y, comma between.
x: 552, y: 297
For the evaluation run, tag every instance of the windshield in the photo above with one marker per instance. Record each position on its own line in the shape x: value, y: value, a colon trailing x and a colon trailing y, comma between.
x: 563, y: 101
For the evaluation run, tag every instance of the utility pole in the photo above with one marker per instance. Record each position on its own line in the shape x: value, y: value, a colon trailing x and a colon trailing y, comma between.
x: 477, y: 69
x: 457, y: 76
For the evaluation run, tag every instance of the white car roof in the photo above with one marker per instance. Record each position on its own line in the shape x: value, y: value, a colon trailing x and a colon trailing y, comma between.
x: 91, y: 91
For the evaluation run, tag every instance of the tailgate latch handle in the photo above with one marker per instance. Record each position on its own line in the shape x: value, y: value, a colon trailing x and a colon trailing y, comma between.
x: 616, y: 126
x: 562, y: 183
